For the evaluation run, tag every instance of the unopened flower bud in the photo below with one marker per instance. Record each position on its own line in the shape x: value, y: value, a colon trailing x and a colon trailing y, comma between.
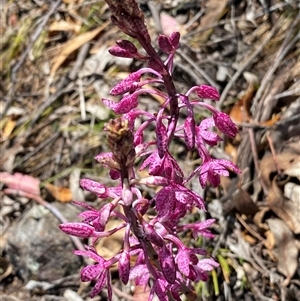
x: 126, y: 104
x: 94, y: 187
x: 209, y: 92
x: 127, y: 45
x: 225, y: 124
x: 78, y: 229
x: 114, y: 174
x: 120, y: 52
x: 164, y: 43
x: 174, y: 39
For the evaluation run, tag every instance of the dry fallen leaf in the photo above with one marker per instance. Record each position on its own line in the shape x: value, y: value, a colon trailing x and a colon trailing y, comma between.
x: 62, y: 194
x: 293, y: 170
x: 141, y: 293
x: 109, y: 246
x: 284, y: 208
x: 287, y: 161
x: 275, y: 118
x: 8, y: 128
x: 214, y: 10
x: 240, y: 112
x: 284, y: 248
x: 63, y: 25
x: 170, y: 24
x: 259, y: 217
x: 74, y: 44
x: 20, y: 182
x: 232, y: 151
x: 243, y: 203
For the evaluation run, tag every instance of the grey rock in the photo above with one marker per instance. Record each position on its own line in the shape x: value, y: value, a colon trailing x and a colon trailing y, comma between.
x: 38, y: 249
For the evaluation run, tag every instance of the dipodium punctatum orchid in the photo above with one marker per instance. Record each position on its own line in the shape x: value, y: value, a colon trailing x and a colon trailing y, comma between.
x: 154, y: 242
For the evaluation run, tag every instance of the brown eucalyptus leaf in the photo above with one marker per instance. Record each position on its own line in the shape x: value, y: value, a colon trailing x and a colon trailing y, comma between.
x: 259, y: 217
x: 287, y: 161
x: 284, y: 208
x: 243, y: 203
x: 73, y: 45
x: 285, y: 248
x: 240, y: 112
x: 214, y: 10
x: 62, y: 194
x: 63, y: 25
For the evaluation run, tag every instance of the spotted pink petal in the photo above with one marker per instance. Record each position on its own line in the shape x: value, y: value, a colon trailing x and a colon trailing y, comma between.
x: 78, y: 229
x: 183, y: 262
x: 107, y: 160
x: 90, y: 253
x: 124, y: 267
x: 189, y: 132
x: 140, y: 274
x: 167, y: 264
x: 130, y: 83
x: 154, y: 180
x: 162, y: 138
x: 101, y: 282
x: 207, y: 264
x: 165, y: 200
x: 90, y: 272
x: 104, y: 215
x: 160, y: 288
x: 154, y: 163
x: 126, y: 104
x: 94, y: 187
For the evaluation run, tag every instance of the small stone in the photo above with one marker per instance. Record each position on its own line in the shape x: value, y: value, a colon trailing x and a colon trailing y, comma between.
x: 38, y: 249
x: 222, y: 74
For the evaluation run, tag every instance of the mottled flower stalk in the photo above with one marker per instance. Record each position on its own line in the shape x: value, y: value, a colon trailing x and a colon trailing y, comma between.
x: 154, y: 242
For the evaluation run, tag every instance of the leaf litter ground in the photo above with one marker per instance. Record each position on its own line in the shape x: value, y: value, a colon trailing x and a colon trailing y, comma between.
x: 55, y: 69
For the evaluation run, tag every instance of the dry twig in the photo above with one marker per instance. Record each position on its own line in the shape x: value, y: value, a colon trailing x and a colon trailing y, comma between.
x: 262, y: 110
x: 248, y: 62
